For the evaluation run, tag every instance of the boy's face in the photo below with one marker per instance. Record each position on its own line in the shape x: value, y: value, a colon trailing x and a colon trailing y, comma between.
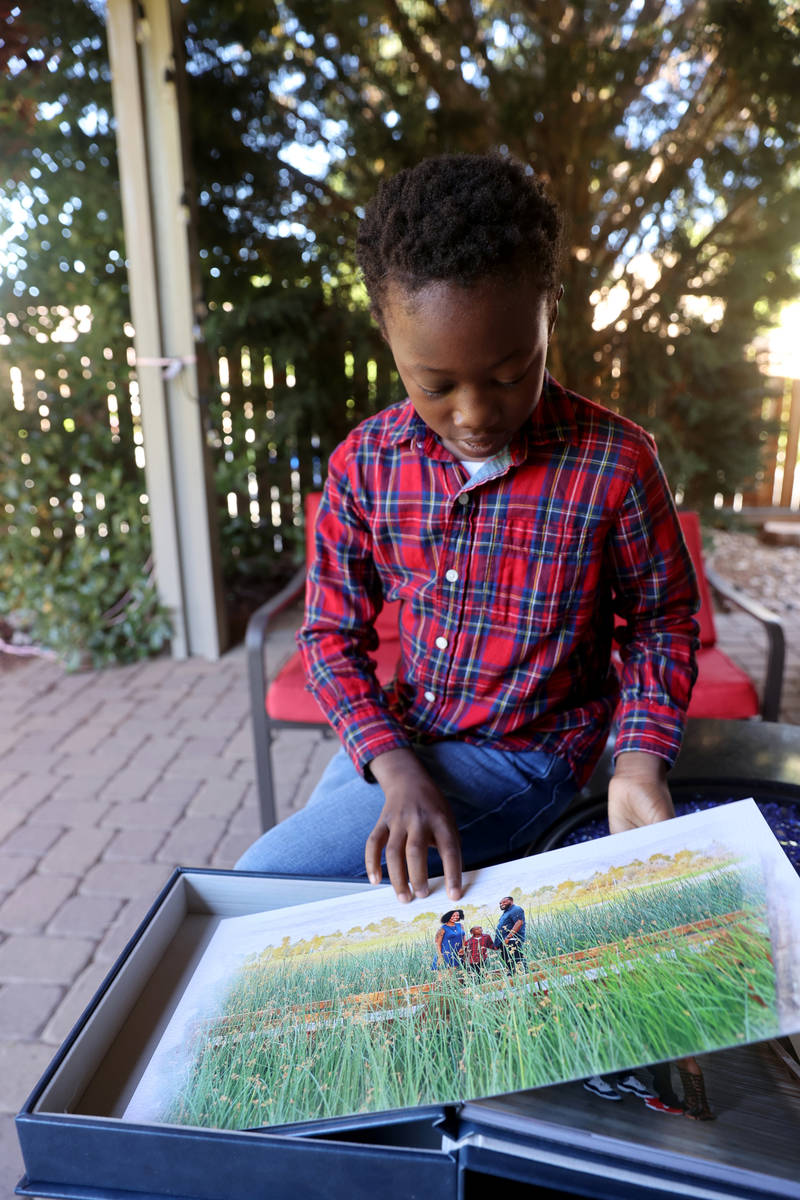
x: 472, y: 359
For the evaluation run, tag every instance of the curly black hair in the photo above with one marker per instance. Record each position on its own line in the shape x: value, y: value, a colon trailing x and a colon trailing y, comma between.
x: 459, y: 218
x: 451, y: 912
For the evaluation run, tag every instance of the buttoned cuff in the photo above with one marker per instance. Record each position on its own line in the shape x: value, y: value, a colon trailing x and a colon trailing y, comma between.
x: 365, y: 732
x: 658, y: 733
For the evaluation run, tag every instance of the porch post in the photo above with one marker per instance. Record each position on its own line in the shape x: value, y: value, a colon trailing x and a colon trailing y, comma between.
x: 156, y: 220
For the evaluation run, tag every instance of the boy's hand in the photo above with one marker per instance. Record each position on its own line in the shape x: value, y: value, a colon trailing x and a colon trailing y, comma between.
x: 414, y: 817
x: 638, y: 792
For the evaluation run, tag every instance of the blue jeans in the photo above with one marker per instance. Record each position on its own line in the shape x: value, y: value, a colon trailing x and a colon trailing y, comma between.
x: 501, y: 800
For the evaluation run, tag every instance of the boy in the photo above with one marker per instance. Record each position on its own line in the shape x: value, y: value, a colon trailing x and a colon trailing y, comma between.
x: 476, y: 948
x: 512, y: 519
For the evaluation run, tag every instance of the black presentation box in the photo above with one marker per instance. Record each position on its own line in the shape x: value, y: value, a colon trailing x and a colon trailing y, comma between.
x: 75, y: 1145
x: 558, y: 1141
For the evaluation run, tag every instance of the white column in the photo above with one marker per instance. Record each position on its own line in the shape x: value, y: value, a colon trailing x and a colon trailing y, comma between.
x: 155, y: 216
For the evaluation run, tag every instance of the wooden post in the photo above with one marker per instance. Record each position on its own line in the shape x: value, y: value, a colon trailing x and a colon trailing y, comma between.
x: 792, y: 441
x: 156, y: 218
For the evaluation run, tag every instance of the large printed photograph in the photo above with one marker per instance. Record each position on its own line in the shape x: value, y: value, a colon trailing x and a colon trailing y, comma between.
x: 650, y: 945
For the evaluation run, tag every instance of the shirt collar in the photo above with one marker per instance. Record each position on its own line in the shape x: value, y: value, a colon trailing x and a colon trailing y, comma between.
x: 406, y: 425
x: 553, y: 420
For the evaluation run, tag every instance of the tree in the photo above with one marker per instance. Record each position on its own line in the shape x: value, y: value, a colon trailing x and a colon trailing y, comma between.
x: 60, y: 193
x: 74, y: 560
x: 667, y: 130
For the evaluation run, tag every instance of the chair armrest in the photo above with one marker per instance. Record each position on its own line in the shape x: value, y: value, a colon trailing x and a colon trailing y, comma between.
x: 256, y: 635
x: 260, y: 619
x: 255, y: 644
x: 773, y: 684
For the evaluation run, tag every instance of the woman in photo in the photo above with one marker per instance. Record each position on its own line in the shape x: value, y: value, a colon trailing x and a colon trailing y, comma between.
x: 449, y: 940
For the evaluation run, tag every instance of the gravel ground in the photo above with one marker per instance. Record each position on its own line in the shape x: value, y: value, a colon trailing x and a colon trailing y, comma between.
x: 770, y: 574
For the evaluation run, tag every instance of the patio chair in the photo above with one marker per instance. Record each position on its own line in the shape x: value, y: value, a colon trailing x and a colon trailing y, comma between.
x: 285, y: 701
x: 723, y: 689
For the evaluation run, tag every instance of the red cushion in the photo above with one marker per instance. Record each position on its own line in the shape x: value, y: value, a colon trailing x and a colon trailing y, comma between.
x: 288, y: 700
x: 722, y: 690
x: 690, y: 524
x: 311, y: 506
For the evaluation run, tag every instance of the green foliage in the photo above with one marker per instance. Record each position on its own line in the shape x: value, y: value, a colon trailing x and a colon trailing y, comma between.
x: 75, y: 570
x: 668, y: 132
x: 75, y: 574
x: 89, y: 599
x: 705, y: 447
x: 59, y: 192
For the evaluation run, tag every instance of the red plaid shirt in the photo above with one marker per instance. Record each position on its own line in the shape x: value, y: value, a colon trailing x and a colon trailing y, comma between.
x: 509, y: 583
x: 476, y: 948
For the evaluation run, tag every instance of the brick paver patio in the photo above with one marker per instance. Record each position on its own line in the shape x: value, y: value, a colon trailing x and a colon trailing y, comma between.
x: 108, y: 780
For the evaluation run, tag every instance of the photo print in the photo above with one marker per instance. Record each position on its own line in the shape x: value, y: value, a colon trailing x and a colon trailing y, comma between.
x: 652, y: 944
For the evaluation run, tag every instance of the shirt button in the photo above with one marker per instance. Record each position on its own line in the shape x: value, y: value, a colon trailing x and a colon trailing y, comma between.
x: 441, y: 642
x: 430, y: 696
x: 463, y: 498
x: 451, y: 576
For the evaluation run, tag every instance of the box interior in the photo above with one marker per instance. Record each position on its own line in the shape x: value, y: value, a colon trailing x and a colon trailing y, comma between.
x: 105, y: 1056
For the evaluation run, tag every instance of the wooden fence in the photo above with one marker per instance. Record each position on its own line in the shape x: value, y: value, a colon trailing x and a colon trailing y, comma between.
x: 261, y: 479
x: 260, y: 474
x: 778, y: 484
x: 535, y: 975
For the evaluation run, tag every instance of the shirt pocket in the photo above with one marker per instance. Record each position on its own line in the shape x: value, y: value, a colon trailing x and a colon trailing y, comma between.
x: 406, y: 553
x: 535, y: 579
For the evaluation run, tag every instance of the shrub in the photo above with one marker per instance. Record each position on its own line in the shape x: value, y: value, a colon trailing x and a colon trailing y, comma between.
x: 75, y: 573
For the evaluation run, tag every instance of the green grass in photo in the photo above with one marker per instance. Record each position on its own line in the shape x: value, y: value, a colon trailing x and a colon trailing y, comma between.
x: 605, y: 985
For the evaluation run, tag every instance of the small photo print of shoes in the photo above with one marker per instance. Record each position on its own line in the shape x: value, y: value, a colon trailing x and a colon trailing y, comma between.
x: 670, y: 1110
x: 629, y: 1083
x: 601, y: 1087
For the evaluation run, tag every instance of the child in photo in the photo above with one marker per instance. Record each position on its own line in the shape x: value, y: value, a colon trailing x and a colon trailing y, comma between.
x: 515, y: 521
x: 476, y: 948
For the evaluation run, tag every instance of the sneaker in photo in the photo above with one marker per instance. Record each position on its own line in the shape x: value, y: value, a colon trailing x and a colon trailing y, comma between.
x: 601, y: 1087
x: 629, y: 1083
x: 659, y: 1106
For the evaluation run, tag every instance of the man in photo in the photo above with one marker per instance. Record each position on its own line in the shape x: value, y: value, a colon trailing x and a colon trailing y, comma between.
x: 510, y: 934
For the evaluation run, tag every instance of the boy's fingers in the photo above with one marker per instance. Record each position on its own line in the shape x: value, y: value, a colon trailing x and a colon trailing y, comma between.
x: 372, y: 852
x: 451, y: 861
x: 417, y: 863
x: 406, y: 842
x: 396, y: 866
x: 449, y: 846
